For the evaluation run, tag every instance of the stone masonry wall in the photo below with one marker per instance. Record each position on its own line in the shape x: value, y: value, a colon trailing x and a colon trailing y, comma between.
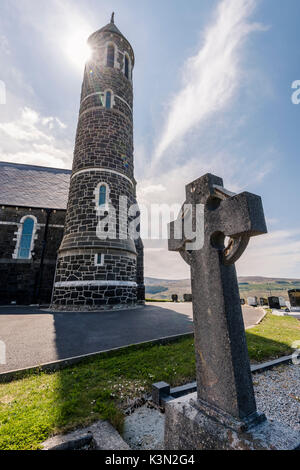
x: 19, y: 277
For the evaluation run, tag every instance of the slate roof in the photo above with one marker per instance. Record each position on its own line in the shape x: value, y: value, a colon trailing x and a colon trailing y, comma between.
x: 109, y: 28
x: 33, y: 186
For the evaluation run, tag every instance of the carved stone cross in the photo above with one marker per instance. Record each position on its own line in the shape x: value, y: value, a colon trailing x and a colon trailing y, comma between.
x: 223, y: 370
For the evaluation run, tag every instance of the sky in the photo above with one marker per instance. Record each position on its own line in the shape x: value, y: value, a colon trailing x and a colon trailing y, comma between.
x: 212, y: 93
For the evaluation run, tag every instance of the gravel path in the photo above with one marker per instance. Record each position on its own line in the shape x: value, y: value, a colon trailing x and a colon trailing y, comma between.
x: 277, y: 394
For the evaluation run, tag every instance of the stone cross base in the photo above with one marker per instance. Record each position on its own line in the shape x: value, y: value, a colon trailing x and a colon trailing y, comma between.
x: 191, y: 425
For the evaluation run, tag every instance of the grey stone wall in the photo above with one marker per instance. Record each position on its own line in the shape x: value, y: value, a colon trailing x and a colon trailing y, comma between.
x: 18, y: 277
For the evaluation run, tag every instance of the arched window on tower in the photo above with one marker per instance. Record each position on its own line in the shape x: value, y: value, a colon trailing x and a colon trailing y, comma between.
x: 108, y: 99
x: 110, y: 56
x: 102, y: 200
x: 127, y: 67
x: 26, y: 240
x: 102, y: 195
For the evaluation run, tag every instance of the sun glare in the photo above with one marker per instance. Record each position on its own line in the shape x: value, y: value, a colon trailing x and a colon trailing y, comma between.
x: 77, y: 49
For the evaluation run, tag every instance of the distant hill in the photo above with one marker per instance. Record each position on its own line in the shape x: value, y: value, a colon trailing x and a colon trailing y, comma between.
x: 249, y: 287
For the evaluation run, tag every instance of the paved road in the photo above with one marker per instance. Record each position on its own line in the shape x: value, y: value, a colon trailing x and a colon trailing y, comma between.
x: 33, y: 336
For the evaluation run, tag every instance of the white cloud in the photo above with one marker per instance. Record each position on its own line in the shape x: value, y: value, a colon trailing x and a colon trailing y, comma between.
x: 34, y: 139
x: 276, y: 254
x: 164, y: 264
x: 4, y: 45
x: 213, y: 75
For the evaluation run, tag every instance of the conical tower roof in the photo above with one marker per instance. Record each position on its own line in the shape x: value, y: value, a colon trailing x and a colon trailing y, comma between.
x: 109, y: 28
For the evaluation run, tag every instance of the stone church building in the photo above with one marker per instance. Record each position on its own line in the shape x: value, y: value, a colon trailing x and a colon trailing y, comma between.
x: 50, y: 248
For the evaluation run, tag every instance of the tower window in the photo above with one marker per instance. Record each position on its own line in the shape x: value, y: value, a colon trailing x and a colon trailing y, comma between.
x: 99, y: 259
x: 110, y: 56
x: 126, y: 70
x: 102, y: 195
x: 108, y: 100
x: 24, y: 251
x: 102, y: 200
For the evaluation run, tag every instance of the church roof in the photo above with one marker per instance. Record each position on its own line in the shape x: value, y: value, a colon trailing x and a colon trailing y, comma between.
x: 33, y: 186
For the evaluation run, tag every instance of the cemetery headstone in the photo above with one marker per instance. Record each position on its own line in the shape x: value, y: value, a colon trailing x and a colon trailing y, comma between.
x: 282, y: 301
x: 274, y: 302
x: 188, y: 297
x: 223, y: 414
x: 252, y: 301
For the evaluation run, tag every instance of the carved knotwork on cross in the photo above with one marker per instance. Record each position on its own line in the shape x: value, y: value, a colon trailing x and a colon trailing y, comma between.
x: 223, y: 369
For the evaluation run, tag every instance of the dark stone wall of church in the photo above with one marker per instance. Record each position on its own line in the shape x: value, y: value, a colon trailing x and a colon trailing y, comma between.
x: 19, y: 278
x: 103, y: 154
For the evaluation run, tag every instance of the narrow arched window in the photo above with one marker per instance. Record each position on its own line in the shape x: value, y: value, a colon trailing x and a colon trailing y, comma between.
x: 110, y: 56
x: 126, y: 69
x: 108, y: 100
x: 102, y: 195
x: 26, y: 239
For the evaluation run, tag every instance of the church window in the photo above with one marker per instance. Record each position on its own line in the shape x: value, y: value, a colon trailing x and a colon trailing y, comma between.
x: 126, y: 67
x: 108, y: 99
x: 102, y: 198
x: 102, y: 195
x: 99, y: 259
x: 25, y: 247
x: 110, y: 56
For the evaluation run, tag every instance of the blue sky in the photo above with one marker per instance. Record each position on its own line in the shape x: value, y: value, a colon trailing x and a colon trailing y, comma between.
x: 212, y: 87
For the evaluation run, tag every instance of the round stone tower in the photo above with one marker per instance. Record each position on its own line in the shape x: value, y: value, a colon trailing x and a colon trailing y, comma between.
x: 99, y: 265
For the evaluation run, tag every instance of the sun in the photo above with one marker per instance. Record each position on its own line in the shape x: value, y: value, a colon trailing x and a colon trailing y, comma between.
x: 77, y: 50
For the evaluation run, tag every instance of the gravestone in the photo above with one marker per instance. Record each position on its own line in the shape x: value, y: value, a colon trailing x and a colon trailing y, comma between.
x: 223, y: 414
x: 252, y: 301
x: 294, y: 296
x: 263, y: 301
x: 174, y: 298
x: 187, y: 297
x: 282, y: 301
x: 274, y: 303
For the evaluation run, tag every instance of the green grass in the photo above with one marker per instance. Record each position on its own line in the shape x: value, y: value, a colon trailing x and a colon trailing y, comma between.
x: 273, y: 337
x: 43, y: 404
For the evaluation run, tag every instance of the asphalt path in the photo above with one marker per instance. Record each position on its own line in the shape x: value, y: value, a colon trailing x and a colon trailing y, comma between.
x: 36, y: 336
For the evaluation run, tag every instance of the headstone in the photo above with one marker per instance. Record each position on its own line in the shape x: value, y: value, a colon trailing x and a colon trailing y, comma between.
x: 274, y: 302
x: 263, y: 301
x: 282, y: 301
x: 252, y: 301
x: 174, y: 298
x: 294, y: 296
x: 243, y: 302
x: 223, y: 414
x: 187, y: 297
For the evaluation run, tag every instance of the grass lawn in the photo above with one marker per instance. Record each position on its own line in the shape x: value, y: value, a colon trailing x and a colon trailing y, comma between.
x: 42, y: 404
